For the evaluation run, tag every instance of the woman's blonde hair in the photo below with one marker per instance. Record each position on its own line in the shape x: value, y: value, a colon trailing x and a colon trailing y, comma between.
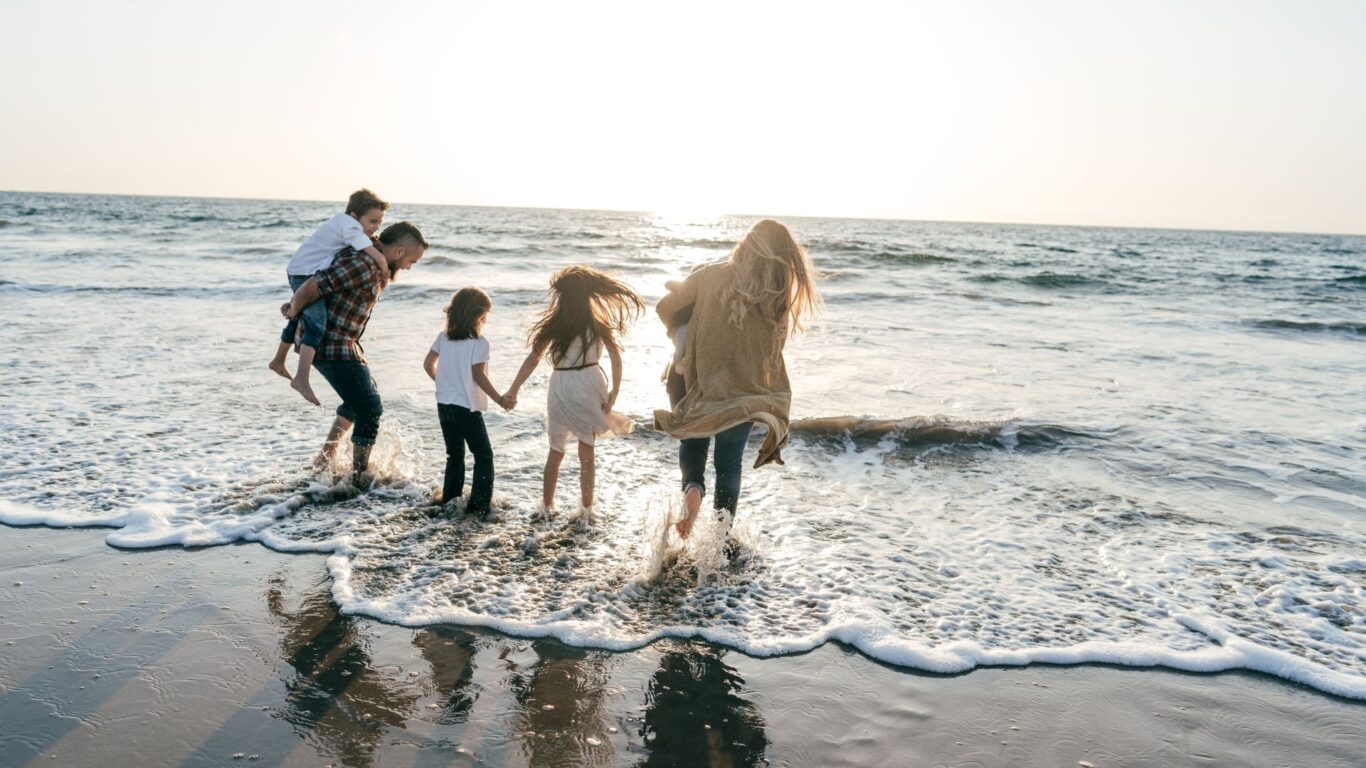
x: 773, y: 274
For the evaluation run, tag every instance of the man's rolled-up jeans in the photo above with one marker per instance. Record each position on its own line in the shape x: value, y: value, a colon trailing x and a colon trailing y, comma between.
x: 360, y: 405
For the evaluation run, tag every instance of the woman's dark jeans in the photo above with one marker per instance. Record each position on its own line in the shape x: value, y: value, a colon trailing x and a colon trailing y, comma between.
x: 460, y: 427
x: 730, y: 449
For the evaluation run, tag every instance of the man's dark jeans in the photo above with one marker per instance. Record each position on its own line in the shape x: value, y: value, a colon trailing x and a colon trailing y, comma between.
x: 730, y: 449
x: 460, y: 427
x: 360, y: 405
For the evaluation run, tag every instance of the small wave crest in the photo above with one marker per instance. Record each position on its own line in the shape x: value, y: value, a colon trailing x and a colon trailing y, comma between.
x: 1299, y: 326
x: 1047, y: 280
x: 921, y: 431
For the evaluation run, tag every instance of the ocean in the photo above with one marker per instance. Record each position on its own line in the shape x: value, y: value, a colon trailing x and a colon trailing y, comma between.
x: 1014, y: 444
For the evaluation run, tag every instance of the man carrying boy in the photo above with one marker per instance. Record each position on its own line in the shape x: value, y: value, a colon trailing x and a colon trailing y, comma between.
x: 351, y: 286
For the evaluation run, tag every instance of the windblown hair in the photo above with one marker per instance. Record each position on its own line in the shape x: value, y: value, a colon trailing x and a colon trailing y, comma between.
x: 363, y: 200
x: 587, y: 305
x: 466, y: 312
x: 773, y: 275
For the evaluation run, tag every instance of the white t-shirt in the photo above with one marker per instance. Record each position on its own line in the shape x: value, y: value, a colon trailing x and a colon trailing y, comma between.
x: 454, y: 371
x: 321, y: 247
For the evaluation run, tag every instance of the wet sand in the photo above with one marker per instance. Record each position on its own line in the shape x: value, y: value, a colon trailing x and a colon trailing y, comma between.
x: 237, y: 656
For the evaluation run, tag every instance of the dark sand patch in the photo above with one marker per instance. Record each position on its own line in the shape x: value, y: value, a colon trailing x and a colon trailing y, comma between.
x: 187, y: 658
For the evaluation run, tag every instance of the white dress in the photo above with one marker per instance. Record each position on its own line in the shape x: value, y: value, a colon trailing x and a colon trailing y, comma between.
x: 575, y: 399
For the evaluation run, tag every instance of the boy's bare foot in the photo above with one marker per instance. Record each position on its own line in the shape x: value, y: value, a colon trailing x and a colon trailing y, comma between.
x: 302, y: 388
x: 279, y: 367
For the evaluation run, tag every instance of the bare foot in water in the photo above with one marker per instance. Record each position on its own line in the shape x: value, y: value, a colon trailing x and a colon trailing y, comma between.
x: 278, y: 366
x: 301, y: 386
x: 693, y: 503
x: 325, y: 458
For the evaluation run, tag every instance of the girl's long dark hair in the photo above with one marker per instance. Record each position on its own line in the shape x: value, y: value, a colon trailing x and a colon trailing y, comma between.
x: 587, y: 305
x: 465, y: 314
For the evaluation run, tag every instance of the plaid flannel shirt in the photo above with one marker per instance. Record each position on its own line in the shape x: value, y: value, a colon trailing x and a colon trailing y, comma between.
x: 350, y: 287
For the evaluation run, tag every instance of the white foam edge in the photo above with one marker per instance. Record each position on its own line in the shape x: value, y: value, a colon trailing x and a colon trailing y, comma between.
x: 20, y: 515
x: 148, y: 526
x: 1231, y: 654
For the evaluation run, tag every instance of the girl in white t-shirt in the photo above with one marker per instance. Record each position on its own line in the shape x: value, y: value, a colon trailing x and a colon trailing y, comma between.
x: 458, y: 363
x: 588, y: 312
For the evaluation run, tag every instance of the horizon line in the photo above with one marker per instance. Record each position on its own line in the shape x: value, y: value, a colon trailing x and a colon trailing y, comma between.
x: 737, y: 215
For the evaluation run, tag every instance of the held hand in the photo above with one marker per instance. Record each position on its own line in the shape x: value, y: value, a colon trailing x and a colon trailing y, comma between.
x: 284, y: 310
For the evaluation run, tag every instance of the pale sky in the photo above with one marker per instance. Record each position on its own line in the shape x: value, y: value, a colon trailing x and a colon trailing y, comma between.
x: 1183, y: 113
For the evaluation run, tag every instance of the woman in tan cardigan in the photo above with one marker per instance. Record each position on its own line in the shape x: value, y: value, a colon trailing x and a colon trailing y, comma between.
x: 742, y: 311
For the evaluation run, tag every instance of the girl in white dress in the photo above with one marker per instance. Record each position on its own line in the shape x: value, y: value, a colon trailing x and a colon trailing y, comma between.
x: 588, y: 312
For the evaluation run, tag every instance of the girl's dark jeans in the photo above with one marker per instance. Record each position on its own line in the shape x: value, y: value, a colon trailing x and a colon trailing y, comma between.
x: 730, y: 449
x: 461, y: 427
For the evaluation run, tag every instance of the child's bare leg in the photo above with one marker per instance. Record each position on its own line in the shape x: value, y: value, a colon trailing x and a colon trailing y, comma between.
x: 586, y: 472
x: 300, y: 380
x: 278, y: 364
x: 550, y: 477
x: 692, y: 504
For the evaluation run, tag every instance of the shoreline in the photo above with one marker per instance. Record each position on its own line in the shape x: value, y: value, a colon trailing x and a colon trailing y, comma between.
x: 210, y: 652
x: 1234, y: 656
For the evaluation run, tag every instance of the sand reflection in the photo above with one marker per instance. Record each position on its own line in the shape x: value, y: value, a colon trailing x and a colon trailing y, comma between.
x: 697, y: 713
x: 335, y: 696
x: 450, y: 652
x: 563, y: 698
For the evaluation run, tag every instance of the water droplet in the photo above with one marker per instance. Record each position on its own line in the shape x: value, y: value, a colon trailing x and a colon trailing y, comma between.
x: 238, y: 755
x: 593, y: 742
x: 548, y: 707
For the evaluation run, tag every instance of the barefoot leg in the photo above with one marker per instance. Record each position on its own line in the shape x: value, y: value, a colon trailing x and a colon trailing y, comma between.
x: 587, y: 469
x: 692, y: 502
x: 278, y: 364
x: 328, y: 451
x: 550, y: 477
x: 300, y: 380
